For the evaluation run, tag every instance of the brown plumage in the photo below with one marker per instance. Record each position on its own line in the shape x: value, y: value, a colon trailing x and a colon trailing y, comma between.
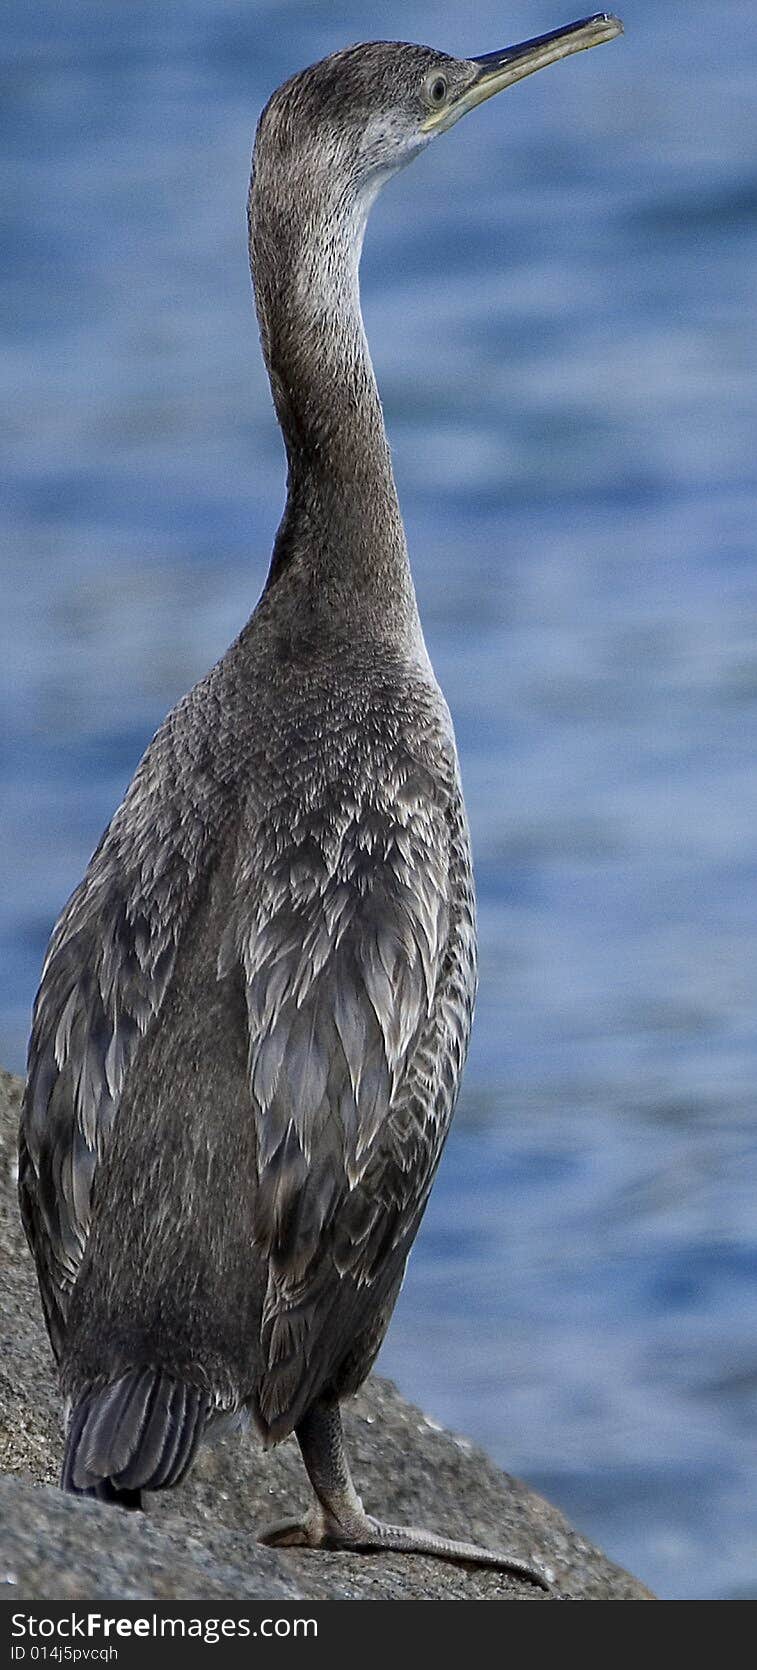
x: 255, y: 1009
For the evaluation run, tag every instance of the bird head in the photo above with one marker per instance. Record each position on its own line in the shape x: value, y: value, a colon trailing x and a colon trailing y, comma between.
x: 363, y: 113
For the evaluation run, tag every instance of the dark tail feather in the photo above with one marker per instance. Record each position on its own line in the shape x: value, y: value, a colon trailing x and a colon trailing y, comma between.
x: 139, y: 1433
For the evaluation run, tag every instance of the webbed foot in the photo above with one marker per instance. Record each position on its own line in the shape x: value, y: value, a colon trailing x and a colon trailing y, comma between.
x: 338, y: 1520
x: 360, y: 1533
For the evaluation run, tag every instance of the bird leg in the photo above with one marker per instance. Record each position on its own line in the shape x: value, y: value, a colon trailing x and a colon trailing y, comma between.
x: 338, y: 1520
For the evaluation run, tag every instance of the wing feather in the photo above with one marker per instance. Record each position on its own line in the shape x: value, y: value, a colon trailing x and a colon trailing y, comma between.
x: 342, y: 945
x: 107, y: 969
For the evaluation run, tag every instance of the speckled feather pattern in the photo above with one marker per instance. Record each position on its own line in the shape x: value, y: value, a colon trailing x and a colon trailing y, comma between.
x: 351, y: 924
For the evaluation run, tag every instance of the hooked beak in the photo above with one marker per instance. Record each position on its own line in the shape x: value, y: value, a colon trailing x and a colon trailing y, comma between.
x: 501, y: 69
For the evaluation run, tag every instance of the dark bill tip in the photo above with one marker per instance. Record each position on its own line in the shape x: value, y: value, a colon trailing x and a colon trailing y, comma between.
x: 558, y: 43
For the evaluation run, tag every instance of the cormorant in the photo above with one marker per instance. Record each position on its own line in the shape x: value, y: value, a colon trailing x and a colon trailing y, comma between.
x: 254, y: 1010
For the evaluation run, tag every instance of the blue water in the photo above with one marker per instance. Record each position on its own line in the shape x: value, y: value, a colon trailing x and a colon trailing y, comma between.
x: 560, y: 302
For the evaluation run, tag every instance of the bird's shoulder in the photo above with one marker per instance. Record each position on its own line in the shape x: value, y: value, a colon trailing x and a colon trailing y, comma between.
x: 352, y: 810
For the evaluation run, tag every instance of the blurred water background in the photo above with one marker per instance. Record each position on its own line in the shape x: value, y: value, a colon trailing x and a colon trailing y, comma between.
x: 560, y: 303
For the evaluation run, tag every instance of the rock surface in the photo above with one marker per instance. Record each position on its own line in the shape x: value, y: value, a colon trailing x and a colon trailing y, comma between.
x: 199, y: 1541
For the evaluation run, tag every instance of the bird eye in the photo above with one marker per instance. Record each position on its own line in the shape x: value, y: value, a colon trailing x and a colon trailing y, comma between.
x: 436, y: 89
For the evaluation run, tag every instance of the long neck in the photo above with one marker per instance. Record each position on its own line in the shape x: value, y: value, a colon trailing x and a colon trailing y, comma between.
x: 340, y: 549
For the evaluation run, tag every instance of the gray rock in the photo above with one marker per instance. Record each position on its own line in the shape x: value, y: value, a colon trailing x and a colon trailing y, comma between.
x: 199, y: 1541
